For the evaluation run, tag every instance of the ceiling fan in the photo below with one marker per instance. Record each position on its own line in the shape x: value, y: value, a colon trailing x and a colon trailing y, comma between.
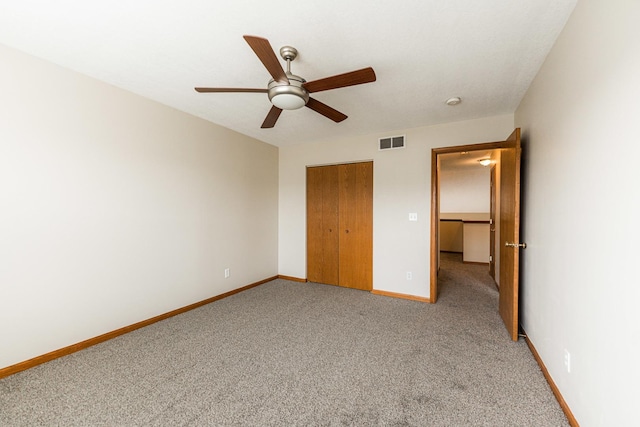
x: 287, y: 91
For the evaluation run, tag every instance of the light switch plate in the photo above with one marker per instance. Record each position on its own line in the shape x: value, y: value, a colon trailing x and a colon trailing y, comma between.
x: 413, y: 216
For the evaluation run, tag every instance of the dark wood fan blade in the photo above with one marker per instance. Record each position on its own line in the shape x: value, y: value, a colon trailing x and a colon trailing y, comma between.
x: 366, y: 75
x: 272, y: 117
x: 228, y: 89
x: 267, y: 56
x: 325, y: 110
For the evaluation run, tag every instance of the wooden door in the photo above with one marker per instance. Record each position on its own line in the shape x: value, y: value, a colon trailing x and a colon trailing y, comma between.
x: 322, y: 224
x: 356, y: 225
x: 510, y: 233
x: 492, y: 223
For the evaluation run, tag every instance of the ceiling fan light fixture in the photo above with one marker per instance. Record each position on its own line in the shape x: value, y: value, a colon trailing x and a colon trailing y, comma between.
x: 287, y: 91
x: 289, y: 96
x: 288, y: 101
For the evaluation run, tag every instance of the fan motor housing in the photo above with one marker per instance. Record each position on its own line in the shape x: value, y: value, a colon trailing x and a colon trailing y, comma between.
x: 288, y: 96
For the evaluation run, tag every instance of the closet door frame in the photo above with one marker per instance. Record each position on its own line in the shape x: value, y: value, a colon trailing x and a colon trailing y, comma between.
x: 348, y: 229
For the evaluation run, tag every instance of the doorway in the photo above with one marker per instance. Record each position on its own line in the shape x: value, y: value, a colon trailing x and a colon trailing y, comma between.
x: 508, y: 245
x: 465, y: 204
x: 436, y: 158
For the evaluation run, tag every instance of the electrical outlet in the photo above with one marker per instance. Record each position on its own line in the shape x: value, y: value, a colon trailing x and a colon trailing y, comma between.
x: 227, y: 273
x: 409, y: 275
x: 567, y: 360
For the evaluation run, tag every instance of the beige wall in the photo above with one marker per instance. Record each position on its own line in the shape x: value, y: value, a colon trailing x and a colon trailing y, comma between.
x: 465, y: 190
x: 115, y: 209
x: 402, y: 184
x: 476, y: 242
x: 580, y: 286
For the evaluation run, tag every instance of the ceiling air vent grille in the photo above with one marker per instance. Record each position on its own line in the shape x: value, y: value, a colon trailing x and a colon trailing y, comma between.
x: 391, y: 142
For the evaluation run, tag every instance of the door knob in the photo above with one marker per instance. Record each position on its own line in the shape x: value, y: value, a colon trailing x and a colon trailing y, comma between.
x: 515, y: 245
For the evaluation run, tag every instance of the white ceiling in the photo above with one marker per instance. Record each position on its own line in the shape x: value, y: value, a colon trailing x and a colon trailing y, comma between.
x: 423, y: 52
x: 466, y: 160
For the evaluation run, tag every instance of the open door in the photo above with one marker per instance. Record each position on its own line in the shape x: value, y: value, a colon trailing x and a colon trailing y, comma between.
x: 509, y: 245
x: 510, y: 233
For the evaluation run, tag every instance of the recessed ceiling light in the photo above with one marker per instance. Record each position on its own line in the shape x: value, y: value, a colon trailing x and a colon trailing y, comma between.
x: 454, y: 101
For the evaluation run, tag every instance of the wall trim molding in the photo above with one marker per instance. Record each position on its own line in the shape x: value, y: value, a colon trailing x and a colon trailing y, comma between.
x: 38, y: 360
x: 293, y: 279
x: 556, y: 392
x: 399, y: 295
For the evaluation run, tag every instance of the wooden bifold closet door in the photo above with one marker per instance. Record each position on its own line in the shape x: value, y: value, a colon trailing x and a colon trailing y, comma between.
x: 340, y: 225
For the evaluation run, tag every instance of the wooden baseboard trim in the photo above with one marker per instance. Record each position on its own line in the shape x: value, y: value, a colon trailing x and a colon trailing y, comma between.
x: 556, y: 392
x: 476, y: 263
x: 293, y: 279
x: 38, y: 360
x: 398, y: 295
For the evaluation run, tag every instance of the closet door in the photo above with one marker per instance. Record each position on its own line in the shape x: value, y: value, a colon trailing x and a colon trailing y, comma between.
x: 356, y: 225
x: 322, y: 224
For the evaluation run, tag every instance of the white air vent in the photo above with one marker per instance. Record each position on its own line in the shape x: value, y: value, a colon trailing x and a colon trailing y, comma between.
x: 391, y: 142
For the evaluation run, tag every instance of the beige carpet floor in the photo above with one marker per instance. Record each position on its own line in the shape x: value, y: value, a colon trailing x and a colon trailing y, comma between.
x: 294, y: 354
